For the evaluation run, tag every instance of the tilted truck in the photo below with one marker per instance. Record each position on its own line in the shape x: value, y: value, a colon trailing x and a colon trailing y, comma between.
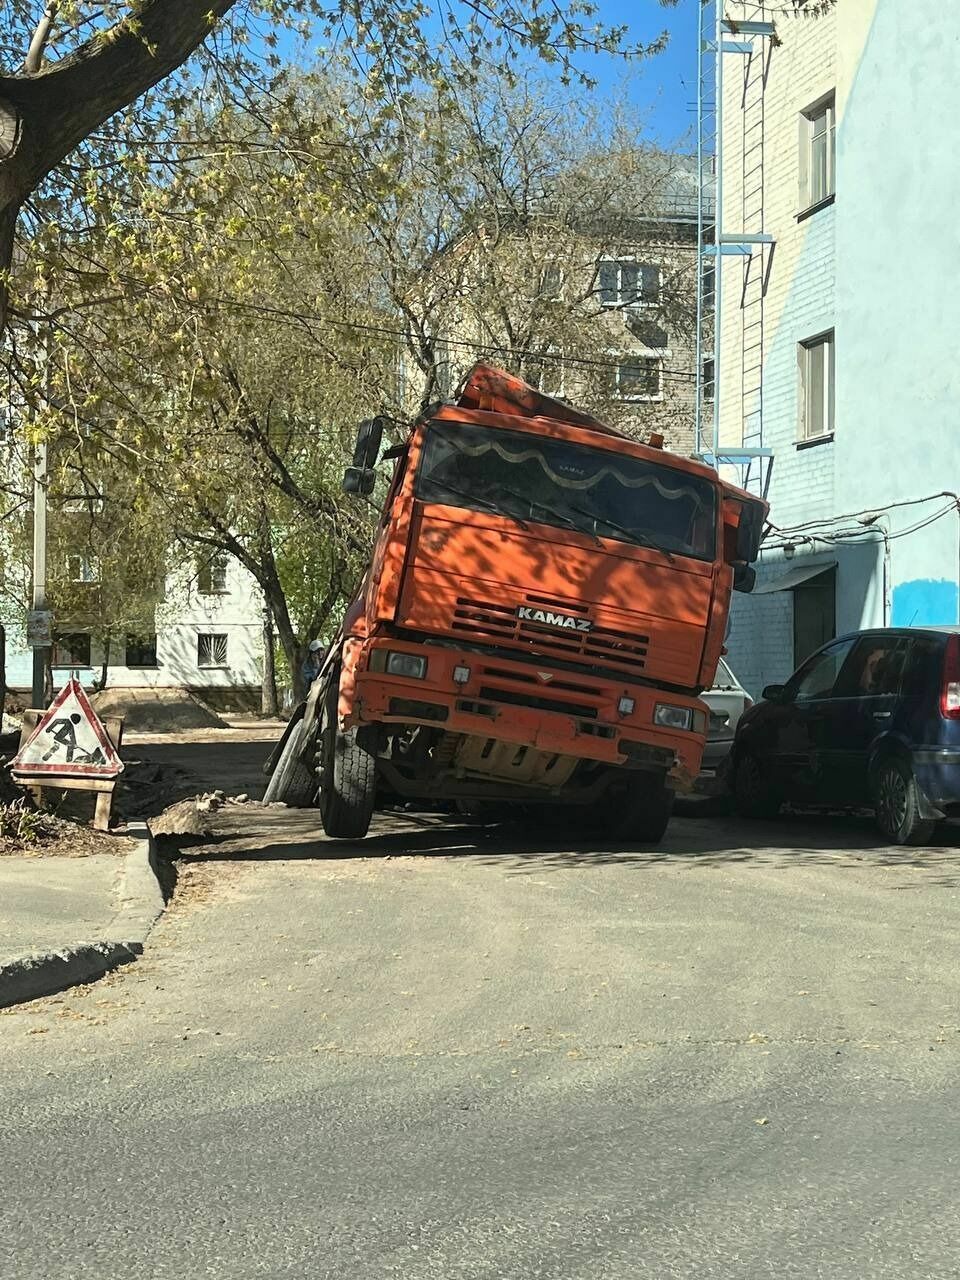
x: 545, y: 601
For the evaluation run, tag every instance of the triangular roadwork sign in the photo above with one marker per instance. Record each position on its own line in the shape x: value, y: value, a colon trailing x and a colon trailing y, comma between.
x: 69, y: 740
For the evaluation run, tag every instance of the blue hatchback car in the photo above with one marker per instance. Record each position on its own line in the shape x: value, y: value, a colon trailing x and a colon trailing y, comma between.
x: 870, y: 720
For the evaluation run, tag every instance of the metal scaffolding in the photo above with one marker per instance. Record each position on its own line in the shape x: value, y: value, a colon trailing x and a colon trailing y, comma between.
x: 747, y: 37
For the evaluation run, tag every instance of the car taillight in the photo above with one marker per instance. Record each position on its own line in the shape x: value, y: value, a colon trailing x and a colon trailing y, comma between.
x: 950, y: 685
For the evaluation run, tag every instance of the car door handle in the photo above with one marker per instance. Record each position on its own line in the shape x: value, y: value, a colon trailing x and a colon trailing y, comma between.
x: 882, y: 715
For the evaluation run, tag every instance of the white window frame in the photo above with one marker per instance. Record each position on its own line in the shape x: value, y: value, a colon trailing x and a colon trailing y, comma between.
x: 807, y: 351
x: 83, y: 569
x: 70, y: 666
x: 629, y: 258
x: 217, y: 564
x: 824, y: 108
x: 214, y: 662
x: 621, y: 358
x: 551, y: 265
x: 708, y: 385
x: 140, y: 666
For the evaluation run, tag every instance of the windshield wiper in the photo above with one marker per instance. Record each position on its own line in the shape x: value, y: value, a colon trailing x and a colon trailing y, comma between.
x: 631, y: 535
x: 563, y: 518
x: 486, y: 503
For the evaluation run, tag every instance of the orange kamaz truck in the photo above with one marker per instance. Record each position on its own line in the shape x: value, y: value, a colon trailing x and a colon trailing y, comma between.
x: 545, y: 601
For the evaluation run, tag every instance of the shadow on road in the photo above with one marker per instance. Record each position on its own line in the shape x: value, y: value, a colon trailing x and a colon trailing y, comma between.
x: 277, y: 834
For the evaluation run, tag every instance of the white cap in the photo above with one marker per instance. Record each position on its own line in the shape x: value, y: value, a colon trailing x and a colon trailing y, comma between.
x: 314, y: 645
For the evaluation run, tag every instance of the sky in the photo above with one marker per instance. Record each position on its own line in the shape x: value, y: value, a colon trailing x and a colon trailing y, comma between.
x: 665, y: 86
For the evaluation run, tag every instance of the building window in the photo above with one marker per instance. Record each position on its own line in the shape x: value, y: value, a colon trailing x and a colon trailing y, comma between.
x: 648, y: 334
x: 71, y: 649
x: 551, y: 282
x: 211, y: 649
x: 816, y: 361
x: 817, y: 153
x: 622, y: 282
x: 709, y: 285
x: 141, y: 651
x: 212, y: 576
x: 636, y: 378
x: 706, y: 379
x: 83, y: 568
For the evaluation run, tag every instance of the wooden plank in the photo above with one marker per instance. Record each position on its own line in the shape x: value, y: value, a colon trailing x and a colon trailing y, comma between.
x: 101, y: 815
x: 53, y: 782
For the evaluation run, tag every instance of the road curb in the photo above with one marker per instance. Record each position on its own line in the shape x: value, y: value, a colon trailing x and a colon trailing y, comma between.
x: 141, y: 903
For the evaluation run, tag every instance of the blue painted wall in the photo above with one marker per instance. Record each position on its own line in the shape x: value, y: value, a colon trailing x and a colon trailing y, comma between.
x: 897, y: 300
x: 881, y: 267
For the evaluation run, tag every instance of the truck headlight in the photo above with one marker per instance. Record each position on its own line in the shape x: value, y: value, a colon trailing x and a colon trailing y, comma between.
x: 669, y: 717
x: 410, y: 665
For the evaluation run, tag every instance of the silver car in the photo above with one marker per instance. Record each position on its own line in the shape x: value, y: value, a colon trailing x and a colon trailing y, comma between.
x: 727, y: 701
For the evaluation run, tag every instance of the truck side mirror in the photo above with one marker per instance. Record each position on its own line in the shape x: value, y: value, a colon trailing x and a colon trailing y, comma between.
x: 367, y: 449
x: 359, y: 480
x: 749, y: 530
x: 744, y: 577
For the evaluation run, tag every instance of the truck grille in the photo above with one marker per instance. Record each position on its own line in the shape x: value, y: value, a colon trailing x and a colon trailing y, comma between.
x: 482, y: 620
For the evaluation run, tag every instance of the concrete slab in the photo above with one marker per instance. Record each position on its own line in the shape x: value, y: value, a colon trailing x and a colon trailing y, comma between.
x: 69, y: 920
x: 49, y: 903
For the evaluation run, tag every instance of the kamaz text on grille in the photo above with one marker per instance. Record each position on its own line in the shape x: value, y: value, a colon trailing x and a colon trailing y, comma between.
x: 528, y: 614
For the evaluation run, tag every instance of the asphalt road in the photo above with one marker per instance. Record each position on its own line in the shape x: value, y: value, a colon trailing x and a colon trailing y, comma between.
x: 449, y: 1053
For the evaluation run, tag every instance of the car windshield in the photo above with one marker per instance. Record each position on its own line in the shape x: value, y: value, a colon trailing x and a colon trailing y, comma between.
x: 724, y: 678
x: 595, y: 491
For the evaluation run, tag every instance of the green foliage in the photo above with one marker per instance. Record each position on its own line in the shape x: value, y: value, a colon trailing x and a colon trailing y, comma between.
x: 242, y: 292
x: 25, y: 826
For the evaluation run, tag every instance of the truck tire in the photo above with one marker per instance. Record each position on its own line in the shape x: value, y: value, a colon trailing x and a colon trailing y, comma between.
x: 348, y: 775
x: 897, y: 804
x: 292, y: 782
x: 640, y: 812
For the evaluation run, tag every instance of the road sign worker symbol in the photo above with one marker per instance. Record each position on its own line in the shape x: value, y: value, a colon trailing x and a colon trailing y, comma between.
x: 64, y: 735
x: 65, y: 739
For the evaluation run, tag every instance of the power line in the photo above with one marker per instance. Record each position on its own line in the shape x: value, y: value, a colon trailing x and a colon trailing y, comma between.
x: 488, y: 348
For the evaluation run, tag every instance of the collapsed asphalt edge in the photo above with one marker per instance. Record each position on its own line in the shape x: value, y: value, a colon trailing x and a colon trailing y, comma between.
x: 140, y: 905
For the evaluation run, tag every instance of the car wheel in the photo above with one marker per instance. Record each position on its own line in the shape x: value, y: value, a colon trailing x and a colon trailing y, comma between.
x: 896, y: 802
x: 753, y: 796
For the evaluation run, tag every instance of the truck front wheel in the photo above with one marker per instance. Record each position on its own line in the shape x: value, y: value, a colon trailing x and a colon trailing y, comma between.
x: 348, y: 776
x: 639, y: 811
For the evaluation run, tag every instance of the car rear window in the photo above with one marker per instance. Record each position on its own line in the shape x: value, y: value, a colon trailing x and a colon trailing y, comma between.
x: 922, y: 668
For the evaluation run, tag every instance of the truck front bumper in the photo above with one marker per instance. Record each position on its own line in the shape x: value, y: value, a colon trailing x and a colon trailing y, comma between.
x: 530, y: 704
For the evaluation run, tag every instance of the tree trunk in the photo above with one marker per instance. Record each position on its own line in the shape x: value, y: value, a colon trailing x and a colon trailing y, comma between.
x: 3, y: 669
x: 106, y: 661
x: 269, y: 702
x: 45, y: 114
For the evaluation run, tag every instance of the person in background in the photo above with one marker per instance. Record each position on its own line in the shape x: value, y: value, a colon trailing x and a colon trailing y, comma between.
x: 312, y: 663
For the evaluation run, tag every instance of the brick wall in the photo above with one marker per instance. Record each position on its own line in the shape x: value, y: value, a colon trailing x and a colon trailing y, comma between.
x: 798, y: 302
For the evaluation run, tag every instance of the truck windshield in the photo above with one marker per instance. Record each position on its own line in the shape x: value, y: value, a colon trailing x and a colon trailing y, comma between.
x: 600, y: 493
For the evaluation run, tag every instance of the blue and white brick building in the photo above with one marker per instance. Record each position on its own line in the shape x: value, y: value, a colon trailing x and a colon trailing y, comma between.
x: 859, y: 188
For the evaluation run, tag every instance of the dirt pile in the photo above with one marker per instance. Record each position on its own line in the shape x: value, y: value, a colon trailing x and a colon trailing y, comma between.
x: 156, y: 710
x: 193, y: 817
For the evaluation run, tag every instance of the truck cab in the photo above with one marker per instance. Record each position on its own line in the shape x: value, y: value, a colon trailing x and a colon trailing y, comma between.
x: 545, y: 601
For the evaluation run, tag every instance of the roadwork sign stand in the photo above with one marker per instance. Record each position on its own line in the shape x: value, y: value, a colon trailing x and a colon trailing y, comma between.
x: 68, y: 747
